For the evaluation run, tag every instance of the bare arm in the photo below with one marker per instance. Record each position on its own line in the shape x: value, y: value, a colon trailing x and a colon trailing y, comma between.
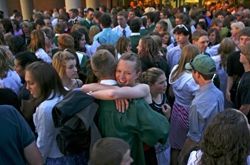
x: 96, y: 87
x: 138, y: 91
x: 245, y: 108
x: 33, y: 155
x: 186, y: 150
x: 229, y: 87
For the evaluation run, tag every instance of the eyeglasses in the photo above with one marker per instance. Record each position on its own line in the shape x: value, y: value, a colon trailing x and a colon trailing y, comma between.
x: 182, y: 26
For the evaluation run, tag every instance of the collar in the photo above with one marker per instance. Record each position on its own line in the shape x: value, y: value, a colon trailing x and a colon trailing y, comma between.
x: 151, y: 25
x: 108, y: 82
x: 73, y: 19
x: 206, y: 86
x: 89, y: 21
x: 123, y: 28
x: 135, y: 34
x: 106, y: 29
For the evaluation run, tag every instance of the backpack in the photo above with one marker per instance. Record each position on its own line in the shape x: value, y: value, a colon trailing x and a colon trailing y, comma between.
x: 74, y: 117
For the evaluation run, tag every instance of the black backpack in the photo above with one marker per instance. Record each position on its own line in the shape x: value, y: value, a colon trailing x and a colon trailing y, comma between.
x: 74, y: 116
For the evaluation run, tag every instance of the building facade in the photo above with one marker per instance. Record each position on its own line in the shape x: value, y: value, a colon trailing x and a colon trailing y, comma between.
x: 27, y: 6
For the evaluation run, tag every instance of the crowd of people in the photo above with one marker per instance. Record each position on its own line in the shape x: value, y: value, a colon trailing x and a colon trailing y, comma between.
x: 142, y: 85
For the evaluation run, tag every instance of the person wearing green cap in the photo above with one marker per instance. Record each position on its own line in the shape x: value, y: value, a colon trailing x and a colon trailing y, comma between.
x: 208, y: 101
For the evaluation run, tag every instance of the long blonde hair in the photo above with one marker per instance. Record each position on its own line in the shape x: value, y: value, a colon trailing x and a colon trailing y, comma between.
x: 188, y: 53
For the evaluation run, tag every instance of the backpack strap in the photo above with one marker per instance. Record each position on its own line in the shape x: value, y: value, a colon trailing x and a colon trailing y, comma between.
x: 87, y: 116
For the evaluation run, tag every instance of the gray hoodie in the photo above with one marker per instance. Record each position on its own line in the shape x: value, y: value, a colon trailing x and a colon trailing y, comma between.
x: 184, y: 87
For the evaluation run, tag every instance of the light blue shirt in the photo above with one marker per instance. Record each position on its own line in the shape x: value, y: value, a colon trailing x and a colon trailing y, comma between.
x: 171, y: 46
x: 213, y: 50
x: 184, y: 87
x: 119, y: 30
x: 173, y: 56
x: 208, y: 102
x: 12, y: 81
x: 106, y: 36
x: 41, y: 54
x: 221, y: 72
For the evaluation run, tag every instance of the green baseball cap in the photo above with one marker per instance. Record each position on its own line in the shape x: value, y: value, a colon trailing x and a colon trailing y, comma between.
x: 203, y: 64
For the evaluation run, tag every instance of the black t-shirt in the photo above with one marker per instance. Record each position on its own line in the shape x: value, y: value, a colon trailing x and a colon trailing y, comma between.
x: 158, y: 62
x: 234, y: 67
x: 243, y: 92
x: 8, y: 97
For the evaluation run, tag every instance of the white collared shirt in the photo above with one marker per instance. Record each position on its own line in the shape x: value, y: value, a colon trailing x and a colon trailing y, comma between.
x: 41, y: 54
x: 135, y: 34
x: 12, y: 81
x: 108, y: 82
x: 46, y: 140
x: 119, y: 30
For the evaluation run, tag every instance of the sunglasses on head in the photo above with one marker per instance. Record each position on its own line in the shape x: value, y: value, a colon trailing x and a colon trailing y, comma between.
x: 182, y: 26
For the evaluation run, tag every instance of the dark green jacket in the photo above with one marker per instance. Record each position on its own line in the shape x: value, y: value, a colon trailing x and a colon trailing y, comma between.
x: 134, y: 42
x: 143, y: 32
x: 139, y: 124
x: 86, y: 23
x: 151, y: 28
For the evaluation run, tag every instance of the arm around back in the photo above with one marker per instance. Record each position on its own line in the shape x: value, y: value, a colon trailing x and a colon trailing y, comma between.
x: 95, y: 87
x: 32, y: 154
x: 138, y: 91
